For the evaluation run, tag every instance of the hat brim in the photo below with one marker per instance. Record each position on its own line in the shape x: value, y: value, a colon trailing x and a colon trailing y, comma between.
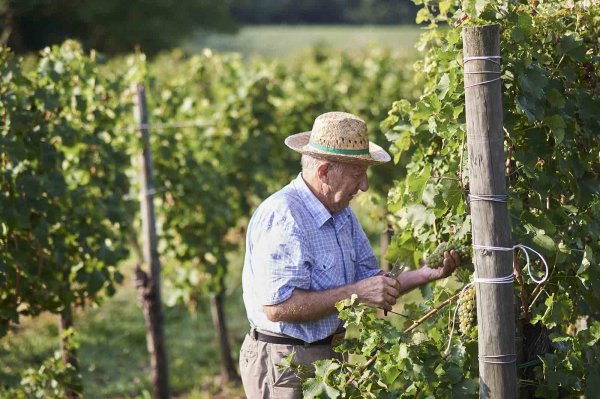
x: 299, y: 142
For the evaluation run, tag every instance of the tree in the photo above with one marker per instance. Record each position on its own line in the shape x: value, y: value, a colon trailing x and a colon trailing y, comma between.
x: 111, y: 26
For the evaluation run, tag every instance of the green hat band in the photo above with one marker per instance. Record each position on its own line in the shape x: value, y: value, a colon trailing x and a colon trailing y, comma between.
x: 340, y: 151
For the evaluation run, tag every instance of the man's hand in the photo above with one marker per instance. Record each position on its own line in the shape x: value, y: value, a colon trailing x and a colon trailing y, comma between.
x: 450, y: 263
x: 378, y: 291
x: 425, y: 274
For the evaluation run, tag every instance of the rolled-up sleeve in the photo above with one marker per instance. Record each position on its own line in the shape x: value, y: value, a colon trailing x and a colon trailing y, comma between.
x: 279, y: 258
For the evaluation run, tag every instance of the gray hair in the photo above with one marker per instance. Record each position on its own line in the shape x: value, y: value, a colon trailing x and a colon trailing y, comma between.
x: 311, y: 164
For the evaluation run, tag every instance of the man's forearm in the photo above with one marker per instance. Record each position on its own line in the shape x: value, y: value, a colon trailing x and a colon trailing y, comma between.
x: 308, y: 305
x: 414, y: 278
x: 425, y: 274
x: 377, y: 291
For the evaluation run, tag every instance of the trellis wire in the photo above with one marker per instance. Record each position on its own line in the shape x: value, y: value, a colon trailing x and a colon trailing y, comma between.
x: 488, y: 197
x: 491, y: 58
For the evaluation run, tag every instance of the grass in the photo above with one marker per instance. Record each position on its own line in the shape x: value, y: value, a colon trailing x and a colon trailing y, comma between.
x: 284, y: 41
x: 113, y: 357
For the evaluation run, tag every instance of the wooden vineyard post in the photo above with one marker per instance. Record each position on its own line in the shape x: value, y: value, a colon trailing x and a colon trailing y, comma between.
x: 490, y: 220
x: 217, y: 308
x: 148, y: 283
x: 68, y: 351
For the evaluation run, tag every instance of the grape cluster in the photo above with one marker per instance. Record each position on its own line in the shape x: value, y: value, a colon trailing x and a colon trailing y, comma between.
x: 436, y: 259
x: 467, y: 311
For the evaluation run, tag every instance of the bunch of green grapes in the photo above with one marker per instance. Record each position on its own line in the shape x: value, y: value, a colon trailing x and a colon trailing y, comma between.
x: 467, y: 311
x: 436, y: 259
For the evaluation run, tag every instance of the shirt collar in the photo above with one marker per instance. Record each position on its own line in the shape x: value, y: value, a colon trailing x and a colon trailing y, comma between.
x: 316, y: 208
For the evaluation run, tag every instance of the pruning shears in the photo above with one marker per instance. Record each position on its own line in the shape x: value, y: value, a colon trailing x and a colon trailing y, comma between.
x: 396, y: 269
x: 394, y: 273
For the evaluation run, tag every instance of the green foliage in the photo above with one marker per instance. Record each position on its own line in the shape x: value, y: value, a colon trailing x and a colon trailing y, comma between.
x: 51, y: 379
x: 210, y: 177
x: 401, y: 363
x: 48, y: 381
x: 63, y: 181
x: 66, y: 169
x: 113, y: 358
x: 550, y: 70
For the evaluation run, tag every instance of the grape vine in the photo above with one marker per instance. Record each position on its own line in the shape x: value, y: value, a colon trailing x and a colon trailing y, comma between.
x: 62, y: 214
x: 63, y: 184
x: 550, y: 76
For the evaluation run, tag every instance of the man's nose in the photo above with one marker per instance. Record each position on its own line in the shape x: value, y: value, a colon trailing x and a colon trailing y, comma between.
x: 364, y: 183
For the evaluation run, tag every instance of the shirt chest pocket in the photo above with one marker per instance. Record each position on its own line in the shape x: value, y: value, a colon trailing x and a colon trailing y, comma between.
x: 326, y: 272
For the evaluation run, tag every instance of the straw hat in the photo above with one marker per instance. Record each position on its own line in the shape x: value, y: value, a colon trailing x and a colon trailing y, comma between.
x: 339, y: 136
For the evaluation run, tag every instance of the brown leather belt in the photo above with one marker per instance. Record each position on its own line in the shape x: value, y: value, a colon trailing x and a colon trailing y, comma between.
x: 272, y: 339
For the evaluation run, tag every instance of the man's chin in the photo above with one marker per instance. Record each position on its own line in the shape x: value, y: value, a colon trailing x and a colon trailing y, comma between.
x: 341, y: 207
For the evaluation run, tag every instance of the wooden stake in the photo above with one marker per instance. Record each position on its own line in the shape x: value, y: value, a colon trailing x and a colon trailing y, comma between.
x: 69, y: 353
x: 490, y: 221
x: 148, y: 283
x: 228, y: 371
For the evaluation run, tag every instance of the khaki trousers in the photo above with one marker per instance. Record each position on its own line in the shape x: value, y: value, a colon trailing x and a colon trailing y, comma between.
x: 261, y: 376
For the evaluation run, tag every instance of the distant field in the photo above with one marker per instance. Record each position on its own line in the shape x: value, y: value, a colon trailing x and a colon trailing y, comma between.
x: 282, y: 41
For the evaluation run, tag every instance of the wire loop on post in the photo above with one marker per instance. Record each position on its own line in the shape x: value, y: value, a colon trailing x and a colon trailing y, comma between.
x: 483, y: 83
x: 488, y: 197
x: 498, y: 359
x: 525, y: 250
x: 490, y: 58
x: 498, y: 280
x: 479, y: 72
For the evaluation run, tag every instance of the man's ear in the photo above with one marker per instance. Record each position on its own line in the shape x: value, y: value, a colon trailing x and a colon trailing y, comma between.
x: 323, y: 171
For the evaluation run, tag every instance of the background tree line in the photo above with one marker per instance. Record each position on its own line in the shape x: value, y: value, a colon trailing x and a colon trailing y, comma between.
x: 325, y: 12
x: 113, y: 26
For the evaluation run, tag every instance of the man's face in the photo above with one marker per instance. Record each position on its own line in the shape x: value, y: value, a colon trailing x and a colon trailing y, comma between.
x: 344, y: 184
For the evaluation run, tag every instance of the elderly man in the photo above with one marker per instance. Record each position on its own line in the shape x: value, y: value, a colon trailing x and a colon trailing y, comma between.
x: 305, y: 251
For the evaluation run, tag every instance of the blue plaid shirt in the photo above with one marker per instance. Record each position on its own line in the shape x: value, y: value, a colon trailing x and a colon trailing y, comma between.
x: 294, y: 242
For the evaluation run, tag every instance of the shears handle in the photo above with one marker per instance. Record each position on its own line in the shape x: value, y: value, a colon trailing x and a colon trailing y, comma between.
x: 394, y: 273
